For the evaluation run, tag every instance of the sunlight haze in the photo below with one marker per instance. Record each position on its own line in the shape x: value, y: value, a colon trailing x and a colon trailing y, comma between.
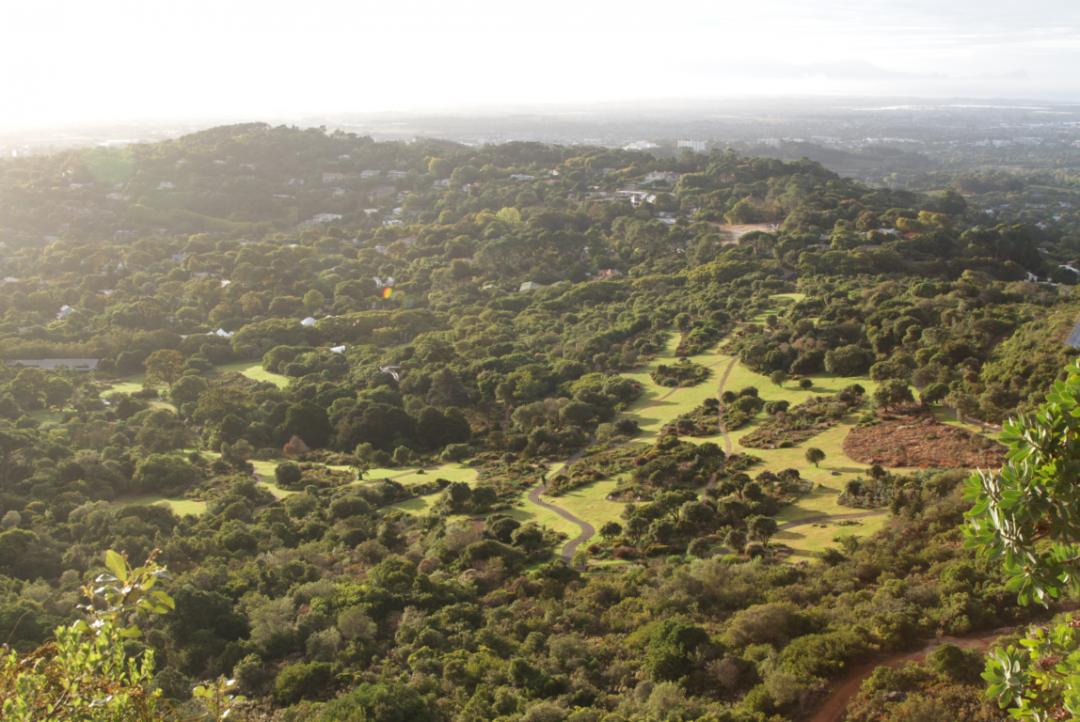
x: 67, y: 62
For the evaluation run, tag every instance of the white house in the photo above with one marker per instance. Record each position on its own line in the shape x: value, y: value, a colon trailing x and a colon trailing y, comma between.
x: 660, y: 176
x: 64, y: 312
x: 308, y: 322
x: 697, y: 146
x: 529, y: 286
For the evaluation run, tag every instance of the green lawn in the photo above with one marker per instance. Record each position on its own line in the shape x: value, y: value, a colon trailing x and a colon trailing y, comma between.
x: 659, y: 405
x: 422, y: 504
x: 126, y: 385
x: 526, y: 511
x: 451, y: 472
x: 591, y: 504
x: 178, y: 506
x: 255, y: 371
x: 418, y: 504
x: 810, y: 539
x: 46, y: 417
x: 267, y: 478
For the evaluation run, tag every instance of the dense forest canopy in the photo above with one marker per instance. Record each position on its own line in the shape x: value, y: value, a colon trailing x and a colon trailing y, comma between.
x: 329, y: 379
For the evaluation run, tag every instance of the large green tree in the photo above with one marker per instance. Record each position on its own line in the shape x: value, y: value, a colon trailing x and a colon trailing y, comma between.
x: 1027, y: 517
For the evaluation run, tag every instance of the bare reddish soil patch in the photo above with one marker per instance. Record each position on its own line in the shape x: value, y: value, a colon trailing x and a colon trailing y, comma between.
x: 922, y: 441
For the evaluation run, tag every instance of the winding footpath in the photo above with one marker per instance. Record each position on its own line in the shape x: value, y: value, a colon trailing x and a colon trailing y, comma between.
x: 588, y: 531
x: 843, y: 690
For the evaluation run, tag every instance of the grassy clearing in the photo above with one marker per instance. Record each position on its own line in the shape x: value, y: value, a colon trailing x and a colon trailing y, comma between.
x: 255, y: 371
x: 659, y: 405
x: 179, y: 506
x: 948, y: 416
x: 809, y: 540
x: 422, y: 504
x: 529, y: 512
x: 418, y: 505
x: 46, y: 417
x: 127, y: 385
x: 789, y: 298
x: 829, y: 478
x: 591, y: 503
x: 450, y: 472
x: 265, y: 471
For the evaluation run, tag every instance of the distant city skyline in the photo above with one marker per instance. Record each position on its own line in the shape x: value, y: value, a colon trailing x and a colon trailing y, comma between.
x: 66, y: 63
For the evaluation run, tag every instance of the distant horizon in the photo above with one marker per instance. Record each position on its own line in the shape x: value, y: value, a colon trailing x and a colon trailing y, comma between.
x: 658, y: 106
x: 68, y: 63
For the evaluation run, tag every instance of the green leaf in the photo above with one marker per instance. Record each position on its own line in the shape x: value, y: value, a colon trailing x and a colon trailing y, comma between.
x: 116, y: 564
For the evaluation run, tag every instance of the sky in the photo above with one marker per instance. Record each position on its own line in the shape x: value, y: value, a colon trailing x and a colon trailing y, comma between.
x: 71, y: 62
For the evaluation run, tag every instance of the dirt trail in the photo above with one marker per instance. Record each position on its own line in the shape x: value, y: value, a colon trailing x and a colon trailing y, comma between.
x: 728, y: 446
x: 844, y: 690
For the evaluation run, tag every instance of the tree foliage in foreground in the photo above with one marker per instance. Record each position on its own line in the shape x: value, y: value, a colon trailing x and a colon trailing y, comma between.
x: 1027, y: 516
x: 86, y: 672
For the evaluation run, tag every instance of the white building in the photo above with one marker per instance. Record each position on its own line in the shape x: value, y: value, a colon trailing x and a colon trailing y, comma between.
x: 697, y: 146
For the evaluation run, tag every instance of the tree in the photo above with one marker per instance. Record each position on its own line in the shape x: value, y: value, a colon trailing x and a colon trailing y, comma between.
x: 891, y: 393
x: 674, y: 649
x: 308, y: 421
x: 735, y: 539
x: 778, y: 377
x: 87, y: 673
x: 164, y: 366
x: 1025, y: 517
x: 314, y: 300
x: 164, y: 473
x: 848, y: 360
x: 762, y: 528
x: 288, y: 475
x: 815, y: 455
x: 301, y: 680
x: 610, y: 530
x: 933, y: 394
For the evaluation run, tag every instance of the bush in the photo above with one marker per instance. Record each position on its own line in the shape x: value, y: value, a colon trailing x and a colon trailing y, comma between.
x: 165, y: 474
x: 288, y: 475
x: 303, y: 680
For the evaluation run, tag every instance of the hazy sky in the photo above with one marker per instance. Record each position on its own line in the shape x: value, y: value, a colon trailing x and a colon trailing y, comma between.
x: 77, y: 61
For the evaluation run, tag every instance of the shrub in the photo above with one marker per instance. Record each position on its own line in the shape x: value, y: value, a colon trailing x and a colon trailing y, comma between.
x: 302, y: 680
x: 288, y: 475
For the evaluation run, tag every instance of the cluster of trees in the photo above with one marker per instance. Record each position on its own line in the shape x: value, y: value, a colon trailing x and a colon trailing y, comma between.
x: 984, y: 346
x: 485, y: 309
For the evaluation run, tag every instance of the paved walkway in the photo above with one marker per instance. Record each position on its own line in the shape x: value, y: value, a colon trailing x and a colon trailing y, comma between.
x: 587, y: 529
